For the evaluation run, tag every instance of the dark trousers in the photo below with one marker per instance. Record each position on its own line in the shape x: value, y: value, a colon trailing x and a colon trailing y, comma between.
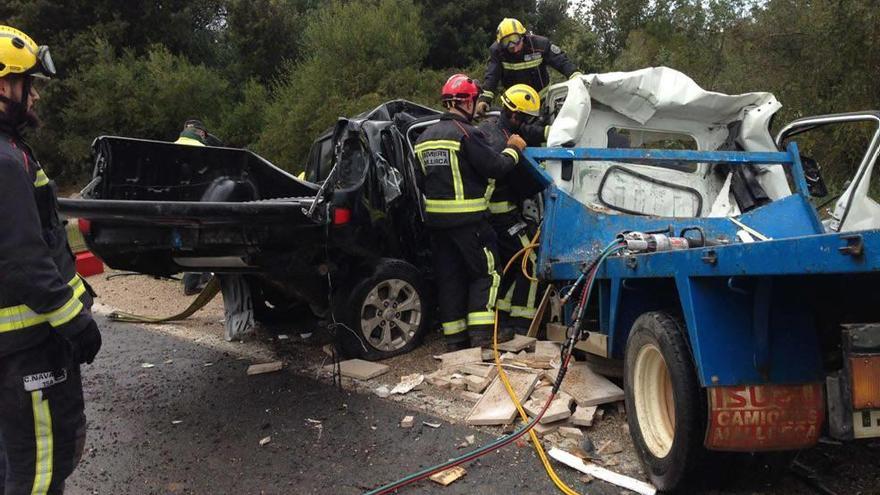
x: 42, y: 424
x: 467, y: 279
x: 517, y: 300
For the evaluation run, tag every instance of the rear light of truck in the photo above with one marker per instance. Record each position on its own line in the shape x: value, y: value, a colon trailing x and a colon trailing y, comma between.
x: 341, y: 216
x: 865, y: 381
x: 85, y: 226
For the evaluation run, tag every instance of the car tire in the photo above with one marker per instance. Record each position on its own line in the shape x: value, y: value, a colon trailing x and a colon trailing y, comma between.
x: 665, y: 404
x: 385, y: 314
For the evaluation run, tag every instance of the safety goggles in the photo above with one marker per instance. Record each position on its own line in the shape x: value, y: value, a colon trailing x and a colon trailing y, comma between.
x: 511, y: 40
x: 45, y: 66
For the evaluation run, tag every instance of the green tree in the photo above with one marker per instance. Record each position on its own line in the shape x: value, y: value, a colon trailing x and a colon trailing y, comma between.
x: 147, y: 97
x: 345, y: 71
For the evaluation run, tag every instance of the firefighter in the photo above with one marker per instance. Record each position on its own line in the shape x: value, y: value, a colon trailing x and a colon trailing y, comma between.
x: 46, y: 326
x: 195, y: 133
x: 518, y: 57
x: 520, y: 108
x: 459, y: 166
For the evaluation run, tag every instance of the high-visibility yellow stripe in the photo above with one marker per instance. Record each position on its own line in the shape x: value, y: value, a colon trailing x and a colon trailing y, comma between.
x: 457, y: 184
x: 481, y: 318
x: 21, y: 316
x: 42, y: 179
x: 529, y: 64
x: 44, y: 443
x: 522, y: 312
x: 455, y: 205
x: 529, y: 310
x: 546, y: 131
x: 489, y: 94
x: 498, y: 207
x: 454, y: 327
x: 490, y: 190
x: 496, y: 281
x: 512, y: 153
x: 504, y: 304
x: 188, y: 141
x: 575, y: 74
x: 442, y: 144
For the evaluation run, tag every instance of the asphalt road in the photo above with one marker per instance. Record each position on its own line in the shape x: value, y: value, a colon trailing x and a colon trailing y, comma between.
x: 323, y: 440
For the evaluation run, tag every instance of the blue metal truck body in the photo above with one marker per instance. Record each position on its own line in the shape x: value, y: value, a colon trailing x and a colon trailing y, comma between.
x: 747, y: 306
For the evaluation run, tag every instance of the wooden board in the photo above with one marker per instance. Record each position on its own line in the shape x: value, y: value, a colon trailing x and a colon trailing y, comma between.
x: 257, y: 369
x: 464, y: 356
x: 360, y: 369
x: 539, y: 314
x: 448, y: 476
x: 518, y: 343
x: 589, y: 388
x: 496, y: 407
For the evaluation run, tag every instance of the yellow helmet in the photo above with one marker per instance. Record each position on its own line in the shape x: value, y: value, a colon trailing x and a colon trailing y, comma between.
x: 509, y: 26
x: 522, y: 98
x: 19, y: 54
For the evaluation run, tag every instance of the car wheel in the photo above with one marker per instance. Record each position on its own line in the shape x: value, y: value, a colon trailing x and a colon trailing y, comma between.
x: 385, y: 314
x: 667, y: 407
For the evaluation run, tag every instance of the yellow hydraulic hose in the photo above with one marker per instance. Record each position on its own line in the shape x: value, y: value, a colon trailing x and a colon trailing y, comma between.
x: 536, y: 443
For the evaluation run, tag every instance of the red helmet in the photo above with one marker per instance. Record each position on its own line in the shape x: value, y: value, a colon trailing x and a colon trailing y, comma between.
x: 460, y: 87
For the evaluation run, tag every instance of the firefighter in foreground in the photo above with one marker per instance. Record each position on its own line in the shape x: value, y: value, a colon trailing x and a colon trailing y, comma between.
x: 459, y: 166
x: 518, y: 57
x: 520, y: 107
x: 46, y: 327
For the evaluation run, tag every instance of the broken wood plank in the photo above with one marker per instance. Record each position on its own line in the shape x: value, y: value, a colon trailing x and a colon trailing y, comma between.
x: 481, y: 370
x: 469, y: 396
x: 559, y: 409
x: 518, y: 343
x: 476, y: 383
x: 587, y: 387
x: 445, y: 478
x: 547, y: 349
x: 602, y: 473
x: 539, y: 313
x: 257, y: 369
x: 583, y: 415
x: 458, y: 358
x: 360, y: 369
x: 496, y: 407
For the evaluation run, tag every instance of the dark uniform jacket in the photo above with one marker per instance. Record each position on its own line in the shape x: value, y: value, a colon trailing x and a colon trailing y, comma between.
x: 40, y: 291
x: 529, y: 66
x: 459, y: 165
x: 506, y: 195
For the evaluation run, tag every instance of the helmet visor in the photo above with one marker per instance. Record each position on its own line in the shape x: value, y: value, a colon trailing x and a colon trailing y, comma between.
x: 45, y: 65
x: 511, y: 40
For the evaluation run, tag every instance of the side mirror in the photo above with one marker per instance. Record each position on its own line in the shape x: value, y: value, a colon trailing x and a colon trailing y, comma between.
x: 813, y: 173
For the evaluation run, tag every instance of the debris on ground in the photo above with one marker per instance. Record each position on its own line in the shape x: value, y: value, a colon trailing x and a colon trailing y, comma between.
x: 408, y: 383
x: 583, y: 416
x: 258, y: 369
x: 445, y: 478
x: 464, y: 356
x: 407, y: 422
x: 609, y: 447
x: 360, y: 369
x: 469, y: 396
x: 496, y: 406
x: 382, y: 391
x: 265, y: 440
x: 432, y: 425
x: 148, y: 365
x: 587, y: 387
x: 517, y: 343
x: 602, y: 473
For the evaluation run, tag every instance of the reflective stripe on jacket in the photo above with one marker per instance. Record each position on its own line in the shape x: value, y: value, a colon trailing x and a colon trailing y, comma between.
x: 40, y: 291
x: 459, y: 167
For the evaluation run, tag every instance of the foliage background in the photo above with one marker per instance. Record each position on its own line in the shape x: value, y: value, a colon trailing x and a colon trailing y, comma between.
x: 271, y: 75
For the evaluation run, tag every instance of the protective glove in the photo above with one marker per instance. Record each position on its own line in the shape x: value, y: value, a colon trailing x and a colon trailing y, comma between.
x: 516, y: 142
x: 482, y: 107
x: 86, y: 344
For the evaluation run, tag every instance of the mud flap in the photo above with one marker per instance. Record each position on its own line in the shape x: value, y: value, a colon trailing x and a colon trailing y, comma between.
x: 238, y: 307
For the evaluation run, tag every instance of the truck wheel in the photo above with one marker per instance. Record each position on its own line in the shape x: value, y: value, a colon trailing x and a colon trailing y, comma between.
x: 386, y: 312
x: 667, y: 407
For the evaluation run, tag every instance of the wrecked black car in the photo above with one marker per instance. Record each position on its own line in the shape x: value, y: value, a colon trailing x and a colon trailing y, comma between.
x: 346, y: 244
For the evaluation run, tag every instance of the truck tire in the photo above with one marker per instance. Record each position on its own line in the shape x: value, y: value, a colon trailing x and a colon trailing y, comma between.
x: 385, y: 314
x: 666, y: 406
